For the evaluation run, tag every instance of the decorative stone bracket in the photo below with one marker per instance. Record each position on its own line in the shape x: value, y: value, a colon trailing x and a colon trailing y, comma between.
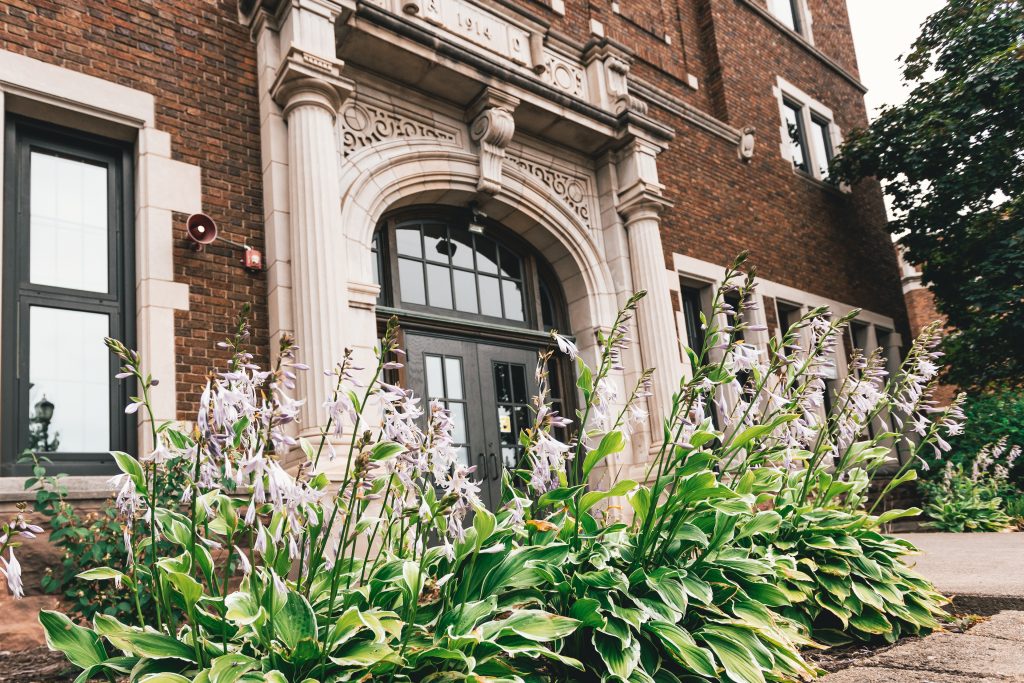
x: 492, y: 129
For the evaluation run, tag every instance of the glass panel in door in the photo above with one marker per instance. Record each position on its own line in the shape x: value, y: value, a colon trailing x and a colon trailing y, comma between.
x: 507, y: 385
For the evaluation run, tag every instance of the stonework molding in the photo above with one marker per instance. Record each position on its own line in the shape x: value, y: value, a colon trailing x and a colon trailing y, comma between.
x: 363, y: 123
x: 492, y: 128
x: 573, y: 191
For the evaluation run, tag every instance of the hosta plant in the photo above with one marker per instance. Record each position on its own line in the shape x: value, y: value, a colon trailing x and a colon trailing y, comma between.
x: 961, y: 500
x: 398, y: 573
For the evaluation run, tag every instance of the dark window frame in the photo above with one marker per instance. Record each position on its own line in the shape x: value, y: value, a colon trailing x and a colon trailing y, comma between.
x: 22, y: 136
x: 535, y: 270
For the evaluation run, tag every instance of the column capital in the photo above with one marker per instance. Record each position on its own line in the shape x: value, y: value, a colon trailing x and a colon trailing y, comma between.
x: 308, y: 79
x: 640, y: 201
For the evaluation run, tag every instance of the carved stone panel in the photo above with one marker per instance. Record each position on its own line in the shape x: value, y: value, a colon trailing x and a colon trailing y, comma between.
x: 564, y: 74
x: 573, y: 191
x: 363, y: 123
x: 479, y: 26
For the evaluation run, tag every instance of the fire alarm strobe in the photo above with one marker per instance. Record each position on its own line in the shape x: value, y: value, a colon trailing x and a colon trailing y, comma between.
x: 201, y: 230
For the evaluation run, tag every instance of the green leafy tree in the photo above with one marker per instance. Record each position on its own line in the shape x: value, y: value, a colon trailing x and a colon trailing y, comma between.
x: 952, y: 159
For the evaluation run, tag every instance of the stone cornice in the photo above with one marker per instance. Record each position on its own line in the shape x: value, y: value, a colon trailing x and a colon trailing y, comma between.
x: 687, y: 112
x: 803, y: 42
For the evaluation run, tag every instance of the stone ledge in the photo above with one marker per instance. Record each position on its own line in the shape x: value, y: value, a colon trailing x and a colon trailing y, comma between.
x: 12, y: 489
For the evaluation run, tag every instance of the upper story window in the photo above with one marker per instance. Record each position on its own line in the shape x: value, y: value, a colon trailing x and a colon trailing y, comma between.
x: 793, y: 14
x: 68, y: 283
x: 809, y: 134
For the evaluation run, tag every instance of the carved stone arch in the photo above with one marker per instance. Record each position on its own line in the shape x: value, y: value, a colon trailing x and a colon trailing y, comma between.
x: 401, y: 173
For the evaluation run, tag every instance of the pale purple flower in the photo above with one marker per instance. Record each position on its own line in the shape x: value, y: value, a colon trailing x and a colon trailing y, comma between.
x: 565, y: 345
x: 11, y: 570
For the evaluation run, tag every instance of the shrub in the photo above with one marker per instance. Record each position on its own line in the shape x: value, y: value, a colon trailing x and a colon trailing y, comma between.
x: 992, y: 416
x: 90, y: 540
x: 401, y: 574
x: 973, y: 501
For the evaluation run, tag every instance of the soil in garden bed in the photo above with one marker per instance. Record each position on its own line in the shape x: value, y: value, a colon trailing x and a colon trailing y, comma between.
x: 37, y: 665
x: 844, y: 656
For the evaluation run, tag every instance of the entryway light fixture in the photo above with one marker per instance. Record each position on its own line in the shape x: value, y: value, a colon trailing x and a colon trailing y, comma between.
x: 476, y: 218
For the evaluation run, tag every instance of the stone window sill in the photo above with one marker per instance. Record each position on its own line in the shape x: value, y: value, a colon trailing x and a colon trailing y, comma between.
x: 12, y: 489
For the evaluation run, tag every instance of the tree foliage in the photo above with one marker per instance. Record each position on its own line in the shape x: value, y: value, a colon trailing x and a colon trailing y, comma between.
x: 952, y: 159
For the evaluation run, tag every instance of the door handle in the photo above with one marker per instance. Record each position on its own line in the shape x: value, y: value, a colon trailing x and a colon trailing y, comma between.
x: 481, y: 466
x: 497, y: 467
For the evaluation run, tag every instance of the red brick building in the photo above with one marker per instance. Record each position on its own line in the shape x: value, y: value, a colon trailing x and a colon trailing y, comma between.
x: 484, y: 169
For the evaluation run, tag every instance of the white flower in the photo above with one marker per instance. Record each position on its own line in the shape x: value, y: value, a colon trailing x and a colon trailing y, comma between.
x: 11, y: 570
x: 565, y: 345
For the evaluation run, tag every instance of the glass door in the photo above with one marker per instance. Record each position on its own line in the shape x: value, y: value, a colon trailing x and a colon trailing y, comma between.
x: 488, y: 390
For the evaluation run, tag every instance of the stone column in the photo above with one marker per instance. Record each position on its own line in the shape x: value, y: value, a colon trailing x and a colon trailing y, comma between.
x: 658, y: 338
x: 310, y: 90
x: 640, y: 202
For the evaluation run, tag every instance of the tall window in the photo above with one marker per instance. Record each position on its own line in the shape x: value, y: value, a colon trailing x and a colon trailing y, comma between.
x: 794, y: 121
x: 807, y: 132
x: 821, y: 144
x: 68, y: 283
x: 692, y: 308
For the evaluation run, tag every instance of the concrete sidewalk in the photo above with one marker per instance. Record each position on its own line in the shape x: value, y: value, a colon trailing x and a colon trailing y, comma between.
x: 983, y: 571
x: 991, y: 652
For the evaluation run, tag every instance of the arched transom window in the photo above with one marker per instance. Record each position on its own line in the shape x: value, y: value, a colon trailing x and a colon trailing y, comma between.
x: 447, y: 261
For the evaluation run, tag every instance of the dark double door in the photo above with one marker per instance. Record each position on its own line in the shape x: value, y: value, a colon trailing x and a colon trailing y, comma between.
x: 488, y: 388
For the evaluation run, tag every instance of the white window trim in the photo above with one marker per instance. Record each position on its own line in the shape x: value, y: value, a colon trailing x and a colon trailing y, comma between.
x: 804, y: 18
x: 784, y: 90
x: 162, y: 185
x: 692, y: 269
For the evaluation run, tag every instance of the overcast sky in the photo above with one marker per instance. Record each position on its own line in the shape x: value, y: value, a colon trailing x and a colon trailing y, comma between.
x: 882, y: 31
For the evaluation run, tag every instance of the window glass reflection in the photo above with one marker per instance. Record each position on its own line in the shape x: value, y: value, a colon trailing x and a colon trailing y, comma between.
x: 69, y: 381
x: 68, y: 233
x: 795, y: 130
x: 439, y: 286
x: 410, y: 274
x: 822, y: 143
x: 408, y: 239
x: 459, y: 270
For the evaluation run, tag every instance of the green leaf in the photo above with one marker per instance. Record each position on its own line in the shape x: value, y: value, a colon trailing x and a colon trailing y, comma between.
x: 532, y: 624
x: 683, y: 649
x: 740, y: 665
x: 592, y: 498
x: 154, y: 646
x: 385, y: 450
x: 231, y: 667
x: 871, y: 621
x: 243, y: 609
x: 190, y: 589
x: 131, y: 467
x: 101, y: 573
x: 295, y: 621
x: 559, y: 496
x: 612, y: 442
x: 765, y: 522
x: 81, y: 646
x: 364, y: 654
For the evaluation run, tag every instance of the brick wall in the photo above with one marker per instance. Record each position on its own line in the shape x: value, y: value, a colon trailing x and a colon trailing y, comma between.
x: 200, y: 65
x: 800, y: 232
